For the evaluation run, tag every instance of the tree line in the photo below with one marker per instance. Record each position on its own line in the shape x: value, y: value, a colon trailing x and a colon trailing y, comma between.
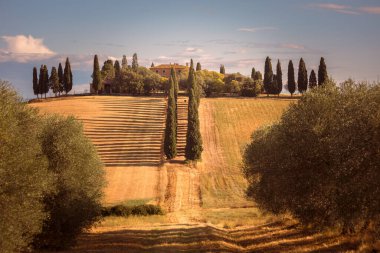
x: 320, y: 162
x: 273, y: 82
x: 59, y: 81
x: 51, y: 178
x: 194, y: 148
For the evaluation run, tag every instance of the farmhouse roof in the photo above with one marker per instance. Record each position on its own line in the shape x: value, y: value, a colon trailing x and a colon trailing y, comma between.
x: 168, y: 66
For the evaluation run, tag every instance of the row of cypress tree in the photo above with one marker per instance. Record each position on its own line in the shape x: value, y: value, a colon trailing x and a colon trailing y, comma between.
x: 273, y: 82
x: 59, y: 81
x: 194, y: 147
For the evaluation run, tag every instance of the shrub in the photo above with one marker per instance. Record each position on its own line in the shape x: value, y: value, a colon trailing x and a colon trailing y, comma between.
x: 321, y: 161
x: 140, y: 210
x: 78, y: 179
x: 24, y: 178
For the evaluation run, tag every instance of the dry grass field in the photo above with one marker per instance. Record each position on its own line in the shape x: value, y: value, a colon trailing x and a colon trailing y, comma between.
x: 205, y: 204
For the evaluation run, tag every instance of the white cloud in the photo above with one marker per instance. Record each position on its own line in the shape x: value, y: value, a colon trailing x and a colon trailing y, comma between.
x: 293, y: 46
x: 370, y: 9
x: 21, y: 48
x: 346, y: 9
x: 256, y: 29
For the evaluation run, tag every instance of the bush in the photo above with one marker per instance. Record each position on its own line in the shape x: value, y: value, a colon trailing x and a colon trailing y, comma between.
x: 321, y: 161
x: 24, y: 178
x: 78, y: 179
x: 140, y: 210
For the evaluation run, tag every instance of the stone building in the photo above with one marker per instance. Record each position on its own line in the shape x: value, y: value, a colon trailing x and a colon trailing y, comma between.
x: 164, y: 69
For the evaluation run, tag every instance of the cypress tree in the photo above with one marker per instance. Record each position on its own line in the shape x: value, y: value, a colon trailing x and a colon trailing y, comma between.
x: 35, y: 82
x: 96, y: 76
x: 268, y: 76
x: 291, y: 79
x: 135, y: 64
x: 222, y: 70
x: 124, y: 62
x: 199, y: 67
x: 253, y: 74
x: 170, y: 140
x: 45, y: 80
x: 60, y: 79
x: 67, y: 77
x: 312, y: 79
x: 41, y: 81
x: 193, y: 150
x: 54, y: 81
x: 278, y: 78
x: 302, y: 77
x: 322, y: 72
x: 258, y: 76
x: 117, y: 69
x: 152, y: 65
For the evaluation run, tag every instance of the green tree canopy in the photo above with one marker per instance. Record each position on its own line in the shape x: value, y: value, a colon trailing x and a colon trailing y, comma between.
x: 322, y: 72
x: 291, y: 79
x: 302, y: 77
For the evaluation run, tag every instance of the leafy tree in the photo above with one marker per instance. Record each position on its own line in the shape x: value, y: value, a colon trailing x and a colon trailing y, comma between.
x: 117, y: 79
x: 193, y: 150
x: 41, y: 81
x: 278, y: 84
x: 253, y: 74
x: 258, y: 76
x: 327, y: 145
x: 199, y: 67
x: 60, y: 79
x: 250, y: 87
x: 171, y: 126
x: 96, y: 76
x: 222, y: 70
x: 108, y: 71
x: 124, y: 63
x: 302, y: 77
x: 135, y: 63
x: 67, y: 77
x: 322, y: 72
x: 44, y: 80
x: 152, y: 65
x: 54, y: 81
x: 78, y: 179
x: 312, y: 79
x: 291, y: 79
x: 24, y: 176
x: 35, y: 82
x: 268, y: 76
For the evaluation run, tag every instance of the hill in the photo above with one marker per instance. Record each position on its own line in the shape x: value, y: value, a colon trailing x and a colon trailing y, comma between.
x: 207, y: 210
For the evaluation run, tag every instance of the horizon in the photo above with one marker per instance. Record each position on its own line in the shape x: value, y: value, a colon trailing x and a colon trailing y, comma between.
x: 238, y: 34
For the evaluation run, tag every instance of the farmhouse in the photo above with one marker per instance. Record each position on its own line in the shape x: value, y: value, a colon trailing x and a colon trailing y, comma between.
x: 164, y: 69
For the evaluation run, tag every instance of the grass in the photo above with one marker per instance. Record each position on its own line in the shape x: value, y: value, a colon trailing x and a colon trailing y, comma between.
x: 131, y: 221
x: 132, y: 202
x: 235, y: 121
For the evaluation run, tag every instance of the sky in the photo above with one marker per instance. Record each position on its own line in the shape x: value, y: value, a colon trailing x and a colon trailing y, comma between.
x: 236, y: 33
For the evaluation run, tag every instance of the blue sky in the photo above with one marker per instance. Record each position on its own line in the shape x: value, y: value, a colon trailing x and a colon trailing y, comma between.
x: 236, y: 33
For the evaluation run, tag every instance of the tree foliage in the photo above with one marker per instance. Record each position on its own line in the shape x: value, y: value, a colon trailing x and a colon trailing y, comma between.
x: 60, y: 79
x: 170, y: 140
x: 291, y: 79
x: 320, y: 162
x: 199, y: 67
x: 222, y: 69
x: 194, y: 148
x: 135, y: 63
x: 312, y: 79
x: 278, y: 85
x: 268, y: 76
x: 302, y: 77
x: 322, y: 72
x: 35, y: 82
x: 54, y: 81
x: 67, y: 77
x: 96, y: 76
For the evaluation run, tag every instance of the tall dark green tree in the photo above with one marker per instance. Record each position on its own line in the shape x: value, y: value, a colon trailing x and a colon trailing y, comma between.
x: 253, y: 74
x: 312, y: 79
x: 44, y: 80
x: 302, y: 77
x: 67, y: 77
x: 278, y: 78
x: 54, y: 81
x: 35, y: 82
x: 41, y: 81
x: 268, y: 76
x: 60, y: 78
x: 135, y: 64
x: 194, y: 148
x: 258, y: 76
x: 170, y: 141
x: 124, y: 62
x: 96, y: 75
x: 199, y: 67
x: 222, y: 70
x: 152, y: 65
x: 322, y: 72
x: 291, y: 79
